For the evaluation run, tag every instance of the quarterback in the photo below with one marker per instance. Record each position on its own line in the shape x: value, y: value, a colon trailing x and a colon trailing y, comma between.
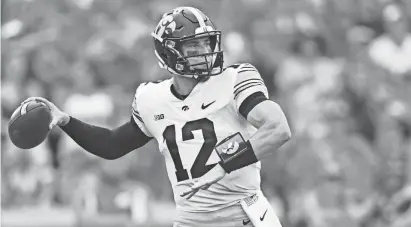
x: 213, y: 125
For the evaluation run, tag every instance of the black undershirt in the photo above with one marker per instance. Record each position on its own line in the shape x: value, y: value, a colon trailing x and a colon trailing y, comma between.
x: 106, y: 143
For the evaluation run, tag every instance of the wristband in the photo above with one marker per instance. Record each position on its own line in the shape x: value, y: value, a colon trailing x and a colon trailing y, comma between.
x: 235, y: 153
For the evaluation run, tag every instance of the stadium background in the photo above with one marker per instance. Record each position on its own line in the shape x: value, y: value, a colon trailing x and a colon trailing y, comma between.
x: 331, y: 64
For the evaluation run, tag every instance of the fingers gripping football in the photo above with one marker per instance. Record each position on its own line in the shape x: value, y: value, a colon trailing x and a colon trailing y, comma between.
x: 58, y: 117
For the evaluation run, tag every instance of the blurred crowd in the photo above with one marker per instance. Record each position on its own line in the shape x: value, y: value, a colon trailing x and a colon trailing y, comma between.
x: 340, y: 69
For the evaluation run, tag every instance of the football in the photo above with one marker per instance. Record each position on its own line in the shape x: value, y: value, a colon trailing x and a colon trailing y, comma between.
x: 29, y: 124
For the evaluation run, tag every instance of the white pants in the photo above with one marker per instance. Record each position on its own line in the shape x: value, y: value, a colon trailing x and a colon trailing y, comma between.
x: 236, y: 215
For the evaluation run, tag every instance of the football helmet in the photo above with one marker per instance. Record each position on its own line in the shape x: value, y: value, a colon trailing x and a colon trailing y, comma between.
x: 181, y: 25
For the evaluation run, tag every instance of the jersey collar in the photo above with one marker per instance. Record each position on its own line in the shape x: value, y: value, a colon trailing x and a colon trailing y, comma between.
x: 176, y: 94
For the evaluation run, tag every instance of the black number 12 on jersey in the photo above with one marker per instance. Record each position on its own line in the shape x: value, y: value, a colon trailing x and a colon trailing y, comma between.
x: 199, y: 167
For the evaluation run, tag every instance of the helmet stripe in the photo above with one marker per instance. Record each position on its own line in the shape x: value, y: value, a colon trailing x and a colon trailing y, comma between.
x: 198, y: 15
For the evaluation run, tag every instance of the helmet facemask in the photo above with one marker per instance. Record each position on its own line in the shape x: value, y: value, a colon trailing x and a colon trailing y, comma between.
x: 194, y: 60
x: 191, y: 65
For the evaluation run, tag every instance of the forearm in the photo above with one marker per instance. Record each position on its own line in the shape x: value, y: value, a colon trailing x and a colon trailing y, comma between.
x: 103, y: 142
x: 272, y: 133
x: 269, y: 138
x: 265, y: 141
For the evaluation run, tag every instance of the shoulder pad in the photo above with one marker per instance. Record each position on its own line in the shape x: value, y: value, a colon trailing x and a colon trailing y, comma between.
x: 145, y: 85
x: 246, y: 67
x: 242, y: 67
x: 153, y: 82
x: 232, y: 66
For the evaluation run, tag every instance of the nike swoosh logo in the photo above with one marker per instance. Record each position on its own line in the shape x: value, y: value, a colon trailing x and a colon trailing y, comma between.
x: 262, y: 217
x: 246, y: 222
x: 205, y: 106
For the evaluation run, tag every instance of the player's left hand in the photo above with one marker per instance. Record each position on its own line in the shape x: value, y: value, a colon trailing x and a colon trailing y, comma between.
x: 214, y: 175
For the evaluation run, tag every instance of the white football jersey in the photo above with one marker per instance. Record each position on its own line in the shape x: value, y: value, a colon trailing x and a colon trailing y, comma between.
x: 188, y: 130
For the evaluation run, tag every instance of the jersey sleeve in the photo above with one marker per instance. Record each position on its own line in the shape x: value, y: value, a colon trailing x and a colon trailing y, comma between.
x: 135, y: 110
x: 249, y: 89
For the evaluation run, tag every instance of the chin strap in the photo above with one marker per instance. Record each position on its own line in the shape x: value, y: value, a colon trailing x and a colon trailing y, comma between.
x: 163, y: 65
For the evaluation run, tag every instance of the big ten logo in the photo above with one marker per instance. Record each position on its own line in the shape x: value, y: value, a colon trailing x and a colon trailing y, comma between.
x: 158, y: 117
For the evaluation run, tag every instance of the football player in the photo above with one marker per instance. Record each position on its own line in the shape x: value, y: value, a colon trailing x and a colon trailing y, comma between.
x: 213, y: 125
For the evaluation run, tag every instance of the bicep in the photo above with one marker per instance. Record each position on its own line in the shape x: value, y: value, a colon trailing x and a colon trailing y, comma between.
x: 251, y: 97
x: 266, y: 111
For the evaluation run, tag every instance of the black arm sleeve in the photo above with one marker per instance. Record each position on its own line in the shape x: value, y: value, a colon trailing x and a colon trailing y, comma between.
x: 106, y: 143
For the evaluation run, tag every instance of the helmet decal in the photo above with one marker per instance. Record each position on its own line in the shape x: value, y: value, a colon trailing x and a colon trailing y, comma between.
x: 175, y: 29
x: 166, y: 25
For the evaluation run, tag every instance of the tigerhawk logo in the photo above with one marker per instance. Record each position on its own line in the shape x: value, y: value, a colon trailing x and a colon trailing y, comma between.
x: 232, y: 147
